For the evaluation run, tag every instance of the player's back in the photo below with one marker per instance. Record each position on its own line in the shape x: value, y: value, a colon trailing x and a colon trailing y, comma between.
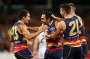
x: 71, y: 34
x: 19, y: 40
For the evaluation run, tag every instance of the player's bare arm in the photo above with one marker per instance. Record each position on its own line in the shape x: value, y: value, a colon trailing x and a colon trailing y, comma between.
x: 57, y: 18
x: 11, y: 39
x: 12, y: 47
x: 27, y: 34
x: 33, y: 28
x: 36, y: 45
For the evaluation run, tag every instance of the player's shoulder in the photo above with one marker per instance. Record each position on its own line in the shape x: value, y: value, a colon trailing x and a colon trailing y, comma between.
x: 21, y: 25
x: 61, y: 22
x: 79, y: 17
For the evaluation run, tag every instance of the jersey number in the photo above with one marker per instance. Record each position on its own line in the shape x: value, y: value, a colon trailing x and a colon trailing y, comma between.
x: 42, y: 39
x: 74, y: 25
x: 15, y: 32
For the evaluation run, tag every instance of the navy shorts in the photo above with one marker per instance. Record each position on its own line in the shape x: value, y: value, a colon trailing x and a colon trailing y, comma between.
x: 71, y: 52
x: 84, y: 50
x: 57, y: 54
x: 23, y: 54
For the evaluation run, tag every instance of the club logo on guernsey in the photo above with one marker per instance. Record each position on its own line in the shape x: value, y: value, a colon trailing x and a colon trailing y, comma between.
x: 52, y: 29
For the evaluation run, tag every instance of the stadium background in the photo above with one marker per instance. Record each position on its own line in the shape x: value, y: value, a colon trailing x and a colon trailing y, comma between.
x: 10, y: 8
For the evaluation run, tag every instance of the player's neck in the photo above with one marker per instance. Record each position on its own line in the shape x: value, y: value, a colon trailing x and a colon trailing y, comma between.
x: 21, y: 21
x: 68, y: 16
x: 73, y: 14
x: 50, y: 22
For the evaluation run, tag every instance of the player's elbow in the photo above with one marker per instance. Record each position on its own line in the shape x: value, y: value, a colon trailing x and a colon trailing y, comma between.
x: 53, y: 36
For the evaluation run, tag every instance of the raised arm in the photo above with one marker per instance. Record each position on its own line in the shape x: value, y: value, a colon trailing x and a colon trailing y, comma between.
x: 57, y: 18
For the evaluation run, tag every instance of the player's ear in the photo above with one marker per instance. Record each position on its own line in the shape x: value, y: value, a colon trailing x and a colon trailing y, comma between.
x: 23, y: 17
x: 48, y: 19
x: 64, y: 12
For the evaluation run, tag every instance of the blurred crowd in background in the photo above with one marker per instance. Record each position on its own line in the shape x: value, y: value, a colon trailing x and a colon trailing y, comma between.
x: 9, y: 11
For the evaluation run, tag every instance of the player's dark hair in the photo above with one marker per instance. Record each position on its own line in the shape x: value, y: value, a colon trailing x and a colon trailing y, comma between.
x: 22, y: 13
x: 72, y: 5
x: 66, y: 7
x: 48, y: 15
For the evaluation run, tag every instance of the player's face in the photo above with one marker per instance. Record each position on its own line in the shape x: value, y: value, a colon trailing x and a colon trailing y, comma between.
x: 43, y: 19
x: 27, y: 18
x: 61, y: 11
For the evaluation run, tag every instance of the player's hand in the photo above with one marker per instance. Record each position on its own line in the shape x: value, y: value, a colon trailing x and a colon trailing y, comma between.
x: 35, y: 55
x: 53, y: 16
x: 42, y: 28
x: 46, y: 35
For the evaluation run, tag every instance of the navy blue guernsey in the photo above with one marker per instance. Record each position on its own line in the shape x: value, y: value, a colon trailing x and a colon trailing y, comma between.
x: 82, y: 31
x: 19, y: 39
x: 71, y: 34
x: 53, y: 44
x: 51, y: 28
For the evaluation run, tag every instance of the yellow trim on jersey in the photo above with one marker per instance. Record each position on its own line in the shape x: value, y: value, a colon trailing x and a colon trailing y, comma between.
x: 52, y: 44
x: 83, y: 40
x: 17, y: 29
x: 21, y: 47
x: 76, y: 46
x: 72, y: 42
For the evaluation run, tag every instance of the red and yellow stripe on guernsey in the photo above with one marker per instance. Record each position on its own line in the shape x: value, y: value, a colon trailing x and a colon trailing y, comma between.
x: 56, y: 45
x: 49, y: 44
x: 53, y: 49
x: 82, y: 39
x: 73, y: 43
x: 19, y: 47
